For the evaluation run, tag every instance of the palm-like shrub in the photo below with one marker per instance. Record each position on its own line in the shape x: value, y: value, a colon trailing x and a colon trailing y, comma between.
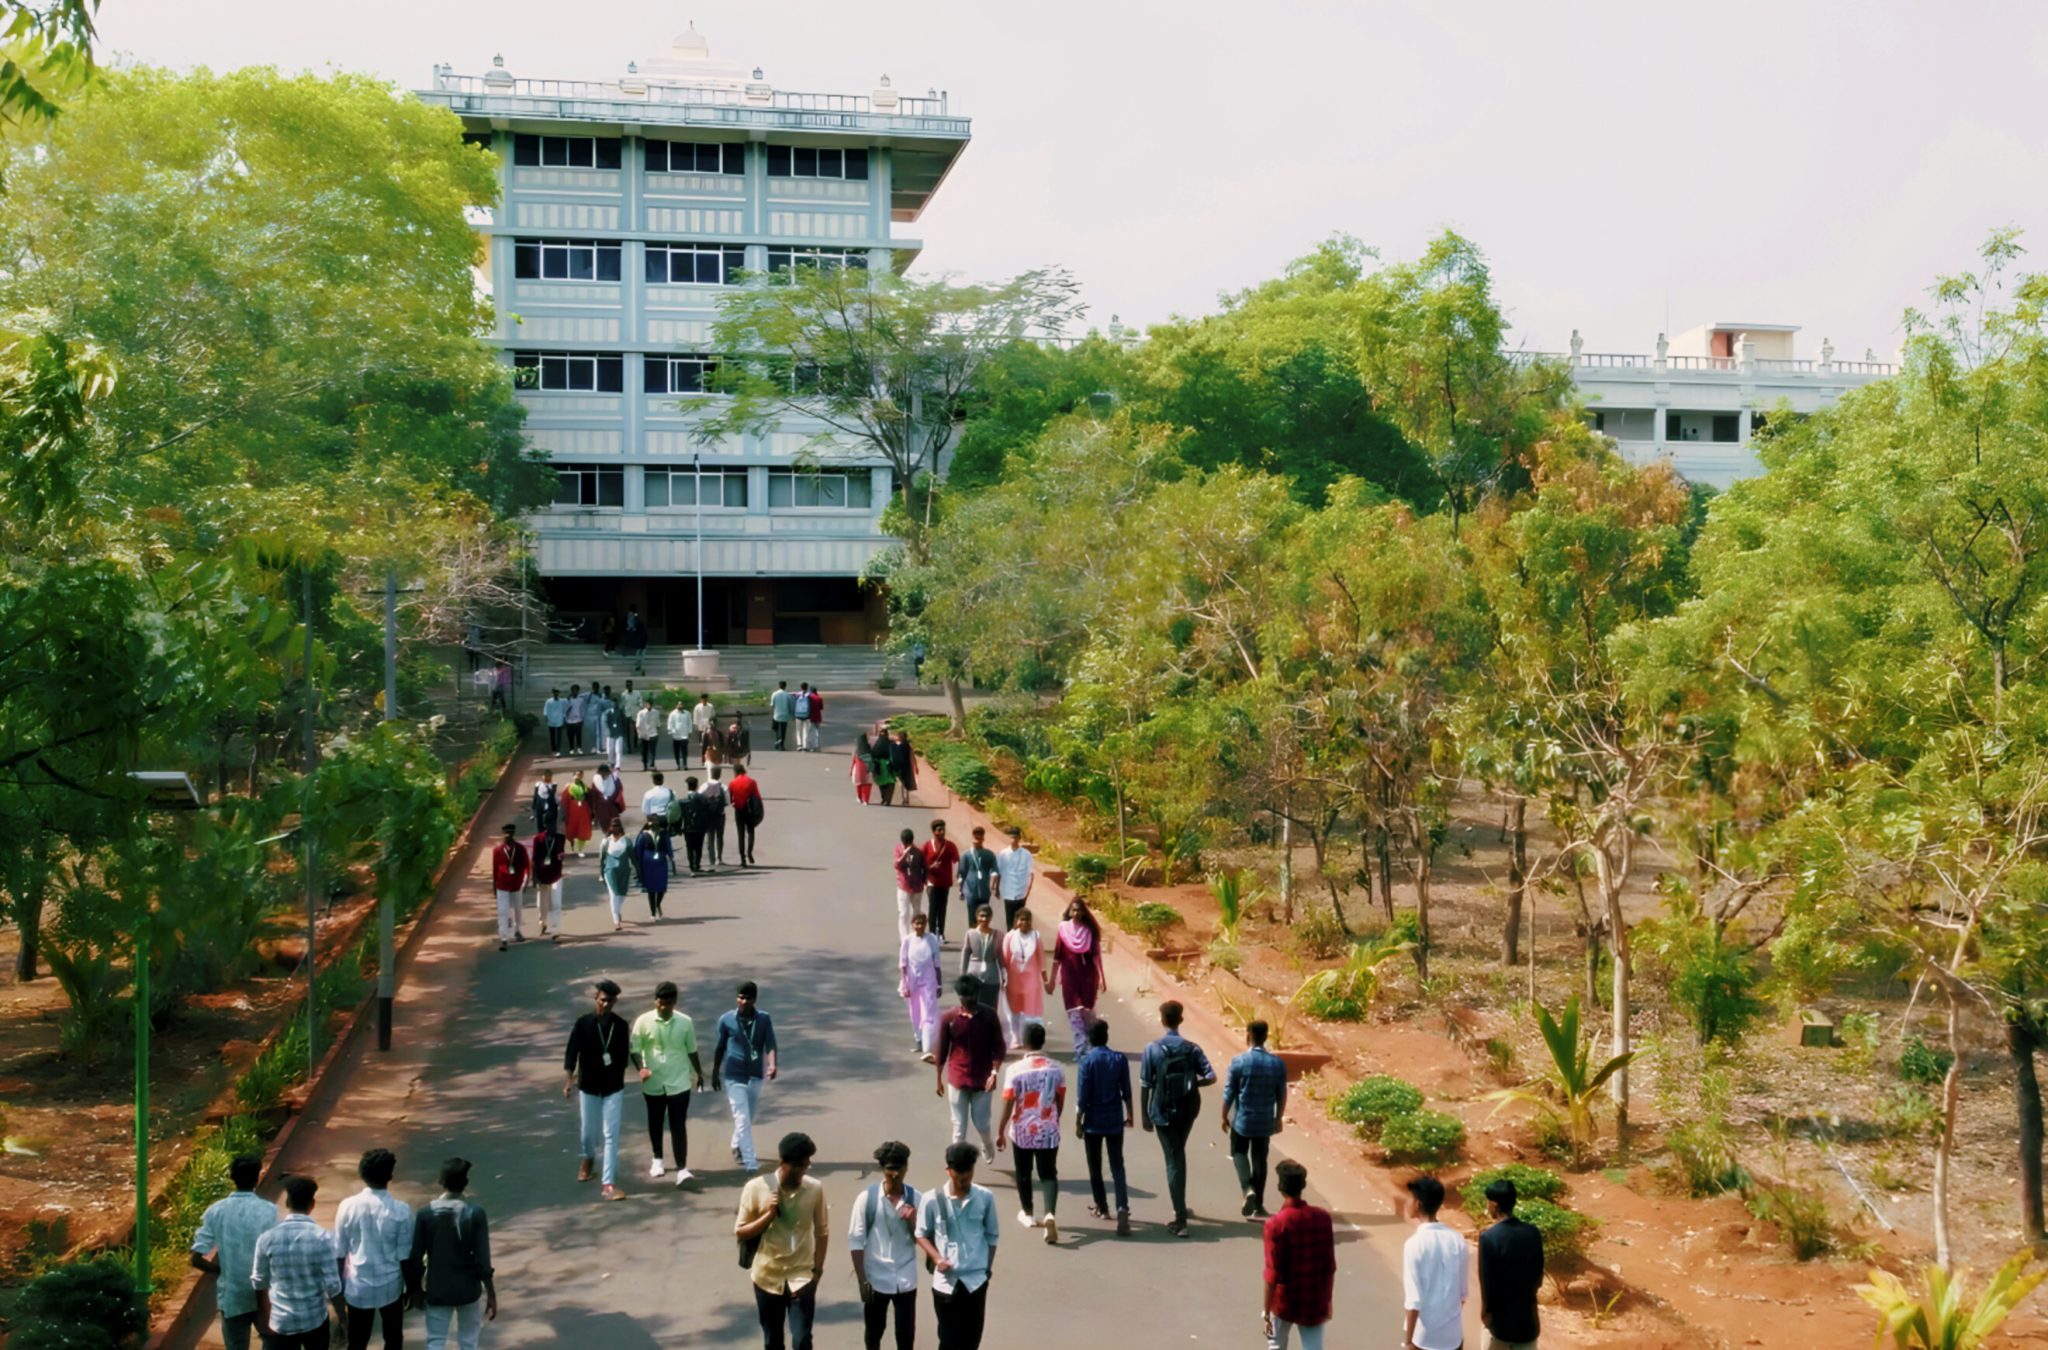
x: 1572, y: 1082
x: 1939, y: 1315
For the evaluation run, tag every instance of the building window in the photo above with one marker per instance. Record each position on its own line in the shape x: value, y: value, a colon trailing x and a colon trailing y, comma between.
x: 678, y: 487
x: 565, y: 152
x: 684, y: 157
x: 569, y: 372
x: 824, y: 259
x: 565, y: 260
x: 694, y: 264
x: 824, y: 490
x: 589, y: 485
x: 810, y: 161
x: 689, y: 374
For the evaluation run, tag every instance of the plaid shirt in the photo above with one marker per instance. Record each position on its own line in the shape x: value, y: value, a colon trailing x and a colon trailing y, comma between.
x: 1255, y: 1092
x: 1301, y: 1263
x: 231, y: 1227
x: 297, y: 1263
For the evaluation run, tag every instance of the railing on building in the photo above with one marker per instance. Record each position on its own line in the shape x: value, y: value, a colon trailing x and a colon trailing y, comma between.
x: 447, y: 81
x: 1761, y: 365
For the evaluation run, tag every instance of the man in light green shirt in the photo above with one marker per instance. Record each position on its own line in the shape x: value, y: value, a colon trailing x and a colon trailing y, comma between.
x: 664, y: 1050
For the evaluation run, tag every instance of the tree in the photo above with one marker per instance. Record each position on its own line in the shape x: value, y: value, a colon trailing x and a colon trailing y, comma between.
x: 47, y: 58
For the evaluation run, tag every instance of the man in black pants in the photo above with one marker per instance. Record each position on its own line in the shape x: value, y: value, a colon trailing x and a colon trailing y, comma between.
x: 957, y: 1230
x: 664, y: 1050
x: 1510, y: 1271
x: 1254, y: 1106
x: 1172, y: 1074
x: 883, y: 1241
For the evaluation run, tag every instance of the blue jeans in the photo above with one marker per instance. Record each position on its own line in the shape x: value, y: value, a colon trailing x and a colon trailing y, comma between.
x: 799, y: 1306
x: 744, y: 1098
x: 600, y: 1116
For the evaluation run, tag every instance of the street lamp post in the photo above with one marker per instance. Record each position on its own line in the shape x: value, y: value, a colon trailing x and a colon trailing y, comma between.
x: 697, y: 468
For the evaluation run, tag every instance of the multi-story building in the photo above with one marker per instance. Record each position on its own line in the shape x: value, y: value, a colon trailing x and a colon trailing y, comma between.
x: 628, y: 207
x: 1699, y: 398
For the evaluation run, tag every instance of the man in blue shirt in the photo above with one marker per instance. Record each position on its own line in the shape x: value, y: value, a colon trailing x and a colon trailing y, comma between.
x: 1254, y: 1096
x: 1173, y: 1072
x: 1104, y: 1113
x: 743, y: 1059
x: 778, y: 713
x: 225, y: 1247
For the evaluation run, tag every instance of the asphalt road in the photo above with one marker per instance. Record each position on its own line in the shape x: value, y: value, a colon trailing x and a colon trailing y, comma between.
x: 476, y: 1070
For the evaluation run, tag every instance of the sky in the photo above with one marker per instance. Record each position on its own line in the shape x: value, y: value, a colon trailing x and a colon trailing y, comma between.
x: 1627, y: 167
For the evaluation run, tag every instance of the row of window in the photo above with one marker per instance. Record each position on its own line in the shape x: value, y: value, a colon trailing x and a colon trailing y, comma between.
x: 667, y: 264
x: 667, y: 486
x: 602, y: 152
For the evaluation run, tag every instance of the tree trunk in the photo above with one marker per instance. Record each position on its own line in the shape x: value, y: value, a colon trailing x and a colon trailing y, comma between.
x: 1518, y: 879
x: 1383, y: 845
x: 1612, y: 878
x: 1945, y: 1142
x: 1287, y: 861
x: 2022, y: 1038
x: 1424, y: 857
x: 28, y: 912
x: 1592, y: 998
x: 956, y: 704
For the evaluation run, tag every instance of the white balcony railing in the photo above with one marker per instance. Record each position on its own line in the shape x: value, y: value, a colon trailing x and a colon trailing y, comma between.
x: 646, y: 91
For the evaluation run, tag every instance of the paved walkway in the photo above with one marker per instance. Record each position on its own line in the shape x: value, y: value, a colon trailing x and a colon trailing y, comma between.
x: 476, y: 1070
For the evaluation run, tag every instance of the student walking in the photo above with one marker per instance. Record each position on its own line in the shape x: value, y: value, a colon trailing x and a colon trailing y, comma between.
x: 739, y: 742
x: 862, y: 770
x: 576, y: 815
x: 636, y: 639
x: 296, y: 1272
x: 509, y: 866
x: 786, y: 1218
x: 501, y: 688
x: 958, y: 1231
x: 574, y: 709
x: 373, y: 1232
x: 595, y: 1065
x: 816, y: 725
x: 548, y: 852
x: 225, y: 1248
x: 882, y: 1239
x: 630, y: 704
x: 748, y: 810
x: 941, y: 856
x: 902, y: 762
x: 981, y: 959
x: 879, y: 770
x: 1078, y: 970
x: 654, y: 857
x: 1171, y: 1075
x: 1434, y: 1275
x: 1254, y: 1107
x: 555, y: 712
x: 615, y: 724
x: 647, y: 730
x: 700, y: 721
x: 1301, y: 1264
x: 615, y: 866
x: 546, y: 803
x: 664, y: 1052
x: 1510, y: 1273
x: 1015, y: 876
x: 743, y: 1059
x: 917, y: 962
x: 969, y: 1054
x: 1103, y: 1112
x: 977, y: 874
x: 714, y: 834
x: 1034, y: 1097
x: 695, y: 815
x: 657, y: 802
x: 607, y: 798
x: 1024, y: 978
x: 450, y: 1271
x: 910, y: 876
x: 778, y: 713
x: 679, y: 734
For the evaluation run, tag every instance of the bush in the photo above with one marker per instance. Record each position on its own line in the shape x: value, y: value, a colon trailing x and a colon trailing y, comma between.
x: 1531, y: 1184
x: 1564, y: 1230
x: 1428, y: 1139
x: 1088, y: 869
x: 1921, y: 1063
x: 1226, y: 955
x: 1801, y: 1215
x: 1703, y: 1157
x: 1320, y: 934
x: 922, y: 727
x: 1372, y: 1102
x: 1908, y: 1113
x: 961, y: 768
x: 87, y: 1305
x: 1151, y: 919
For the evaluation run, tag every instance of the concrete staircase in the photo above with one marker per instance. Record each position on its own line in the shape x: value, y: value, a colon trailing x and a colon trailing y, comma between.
x: 559, y: 665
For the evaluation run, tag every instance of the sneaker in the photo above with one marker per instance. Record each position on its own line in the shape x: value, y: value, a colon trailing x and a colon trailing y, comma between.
x: 736, y: 1155
x: 1251, y: 1202
x: 655, y: 1168
x: 1178, y: 1228
x: 501, y: 946
x: 519, y: 937
x: 1097, y: 1212
x: 1025, y: 1217
x: 684, y: 1174
x: 1123, y: 1223
x: 1052, y: 1230
x: 614, y: 1193
x: 1261, y: 1214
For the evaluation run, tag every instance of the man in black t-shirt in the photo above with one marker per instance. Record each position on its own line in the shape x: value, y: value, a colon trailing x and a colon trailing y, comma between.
x: 1510, y: 1271
x: 596, y: 1067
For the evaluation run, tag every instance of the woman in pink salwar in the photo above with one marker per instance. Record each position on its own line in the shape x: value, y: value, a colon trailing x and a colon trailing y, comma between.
x: 918, y: 960
x: 1077, y: 969
x: 1025, y: 984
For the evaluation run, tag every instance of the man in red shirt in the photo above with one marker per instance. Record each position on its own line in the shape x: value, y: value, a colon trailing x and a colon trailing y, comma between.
x: 546, y: 851
x: 509, y: 865
x: 745, y: 795
x: 940, y: 856
x: 970, y: 1055
x: 1301, y: 1264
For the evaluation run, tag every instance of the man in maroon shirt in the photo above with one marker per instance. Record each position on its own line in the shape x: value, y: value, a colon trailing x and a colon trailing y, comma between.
x: 1301, y: 1264
x: 970, y: 1055
x: 547, y: 850
x: 940, y: 856
x: 508, y: 878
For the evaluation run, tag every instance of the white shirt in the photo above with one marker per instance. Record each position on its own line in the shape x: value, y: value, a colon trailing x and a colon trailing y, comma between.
x: 678, y: 724
x: 631, y: 701
x: 1013, y: 872
x: 701, y: 715
x: 1434, y: 1282
x: 892, y: 1253
x: 373, y: 1231
x: 655, y: 802
x: 554, y: 710
x: 647, y: 722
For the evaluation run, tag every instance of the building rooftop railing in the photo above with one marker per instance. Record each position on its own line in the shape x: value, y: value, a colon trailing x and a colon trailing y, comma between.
x: 632, y: 89
x: 1759, y: 365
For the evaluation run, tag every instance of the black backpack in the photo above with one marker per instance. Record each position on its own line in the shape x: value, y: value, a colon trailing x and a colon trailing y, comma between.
x: 696, y: 813
x: 913, y: 867
x: 1176, y: 1090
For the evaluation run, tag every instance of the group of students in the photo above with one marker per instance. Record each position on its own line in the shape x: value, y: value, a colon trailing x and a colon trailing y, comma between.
x: 885, y: 763
x: 280, y: 1275
x: 632, y: 722
x: 562, y: 820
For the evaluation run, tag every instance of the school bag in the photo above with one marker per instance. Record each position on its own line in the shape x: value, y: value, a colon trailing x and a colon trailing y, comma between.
x: 675, y: 811
x: 912, y: 866
x: 695, y: 813
x: 1175, y: 1090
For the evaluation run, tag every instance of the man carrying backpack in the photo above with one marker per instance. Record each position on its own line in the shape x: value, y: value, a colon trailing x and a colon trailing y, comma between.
x: 910, y: 880
x: 883, y: 1241
x: 694, y: 815
x: 1172, y: 1074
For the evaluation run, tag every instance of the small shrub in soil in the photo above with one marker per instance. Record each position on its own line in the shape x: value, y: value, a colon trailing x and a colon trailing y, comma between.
x: 1152, y: 918
x: 1921, y: 1063
x: 1226, y: 955
x: 87, y: 1305
x: 1088, y: 869
x: 1703, y: 1157
x: 1801, y: 1215
x: 1531, y: 1184
x: 1372, y: 1102
x: 1908, y: 1113
x: 1564, y: 1230
x: 1320, y: 935
x: 1425, y: 1139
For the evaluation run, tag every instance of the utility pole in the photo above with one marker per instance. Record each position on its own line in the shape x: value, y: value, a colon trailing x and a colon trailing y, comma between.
x: 387, y: 975
x: 311, y: 763
x: 697, y: 468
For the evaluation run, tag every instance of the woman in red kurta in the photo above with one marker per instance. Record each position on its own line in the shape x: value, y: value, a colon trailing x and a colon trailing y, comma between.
x: 576, y: 814
x: 1077, y: 969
